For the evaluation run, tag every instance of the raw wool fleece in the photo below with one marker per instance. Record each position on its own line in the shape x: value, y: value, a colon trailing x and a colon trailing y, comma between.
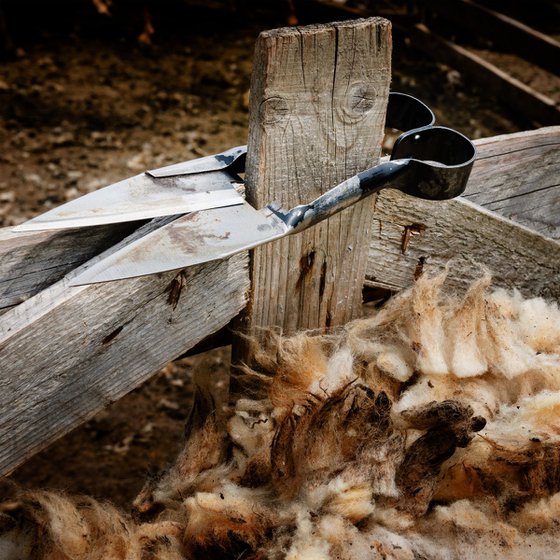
x: 429, y: 430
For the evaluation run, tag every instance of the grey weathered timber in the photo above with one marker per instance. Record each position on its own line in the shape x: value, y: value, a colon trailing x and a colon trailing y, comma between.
x: 30, y: 262
x: 518, y: 177
x: 465, y: 234
x: 67, y: 352
x: 318, y: 101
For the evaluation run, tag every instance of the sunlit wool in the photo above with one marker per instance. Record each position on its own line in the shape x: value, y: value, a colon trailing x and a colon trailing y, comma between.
x: 429, y: 430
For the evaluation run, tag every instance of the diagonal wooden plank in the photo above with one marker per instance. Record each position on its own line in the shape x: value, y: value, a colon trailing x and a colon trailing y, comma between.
x: 518, y: 177
x: 509, y: 169
x: 67, y: 352
x: 465, y: 234
x: 30, y: 262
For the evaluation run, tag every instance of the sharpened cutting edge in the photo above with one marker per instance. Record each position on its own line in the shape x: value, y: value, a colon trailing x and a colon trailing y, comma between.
x: 193, y: 239
x: 138, y: 198
x: 232, y: 159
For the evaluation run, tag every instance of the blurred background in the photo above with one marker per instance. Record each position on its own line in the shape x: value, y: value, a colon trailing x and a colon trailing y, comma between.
x: 93, y: 91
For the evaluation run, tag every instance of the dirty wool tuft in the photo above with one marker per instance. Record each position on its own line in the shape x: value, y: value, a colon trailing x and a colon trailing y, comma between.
x: 429, y: 430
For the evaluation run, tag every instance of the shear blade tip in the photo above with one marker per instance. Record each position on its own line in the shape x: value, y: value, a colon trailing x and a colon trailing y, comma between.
x: 79, y: 281
x: 88, y: 277
x: 22, y: 228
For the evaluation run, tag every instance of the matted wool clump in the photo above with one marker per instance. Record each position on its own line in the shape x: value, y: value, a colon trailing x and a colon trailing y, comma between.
x: 430, y: 430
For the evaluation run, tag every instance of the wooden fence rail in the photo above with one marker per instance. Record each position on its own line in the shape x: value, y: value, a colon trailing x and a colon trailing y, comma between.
x: 65, y: 353
x: 508, y: 221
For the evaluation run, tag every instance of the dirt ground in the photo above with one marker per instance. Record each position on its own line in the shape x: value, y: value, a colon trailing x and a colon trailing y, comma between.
x: 83, y: 104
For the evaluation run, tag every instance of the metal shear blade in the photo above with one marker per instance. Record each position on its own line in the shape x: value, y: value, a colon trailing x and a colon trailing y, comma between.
x: 177, y: 189
x: 427, y: 161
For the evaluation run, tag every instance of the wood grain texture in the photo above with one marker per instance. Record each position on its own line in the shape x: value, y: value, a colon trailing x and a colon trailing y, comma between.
x: 68, y: 352
x: 518, y: 176
x: 30, y: 262
x: 318, y: 101
x: 515, y: 176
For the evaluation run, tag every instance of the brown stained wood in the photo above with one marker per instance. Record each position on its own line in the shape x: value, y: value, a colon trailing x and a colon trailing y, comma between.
x: 508, y: 171
x: 30, y: 262
x: 501, y: 29
x: 526, y: 101
x: 318, y: 101
x: 68, y: 352
x: 518, y: 177
x: 467, y: 237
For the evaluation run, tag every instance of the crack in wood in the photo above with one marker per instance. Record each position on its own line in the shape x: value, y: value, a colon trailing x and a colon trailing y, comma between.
x: 408, y: 233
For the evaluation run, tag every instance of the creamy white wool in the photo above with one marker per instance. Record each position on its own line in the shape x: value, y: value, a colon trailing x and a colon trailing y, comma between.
x: 307, y: 543
x: 480, y: 333
x: 339, y: 372
x: 367, y: 443
x: 536, y: 416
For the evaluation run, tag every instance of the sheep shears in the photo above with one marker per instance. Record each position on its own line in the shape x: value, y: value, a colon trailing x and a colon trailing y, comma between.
x: 214, y: 221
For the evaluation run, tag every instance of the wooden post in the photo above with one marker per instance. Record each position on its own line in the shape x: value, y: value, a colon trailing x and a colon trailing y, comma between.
x: 318, y: 101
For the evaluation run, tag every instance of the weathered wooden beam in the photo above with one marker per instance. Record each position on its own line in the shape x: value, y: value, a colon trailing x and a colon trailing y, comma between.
x: 66, y: 353
x: 529, y: 103
x: 465, y: 234
x: 501, y: 29
x: 518, y: 177
x: 318, y: 101
x: 30, y: 262
x: 509, y: 170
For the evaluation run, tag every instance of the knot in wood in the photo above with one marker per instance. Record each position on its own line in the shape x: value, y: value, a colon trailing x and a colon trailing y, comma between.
x: 360, y: 99
x: 273, y: 110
